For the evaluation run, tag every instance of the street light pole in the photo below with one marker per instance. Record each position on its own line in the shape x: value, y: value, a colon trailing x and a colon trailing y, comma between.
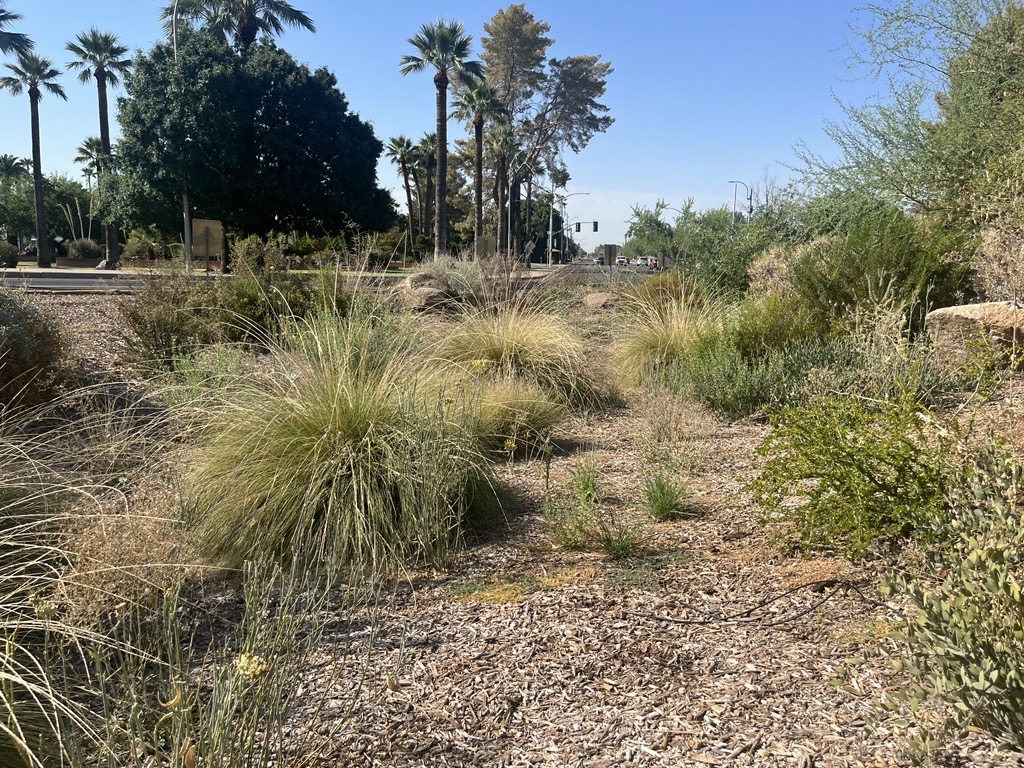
x: 750, y: 202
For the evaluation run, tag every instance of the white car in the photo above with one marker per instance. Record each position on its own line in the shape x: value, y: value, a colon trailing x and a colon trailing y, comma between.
x: 621, y: 261
x: 642, y: 261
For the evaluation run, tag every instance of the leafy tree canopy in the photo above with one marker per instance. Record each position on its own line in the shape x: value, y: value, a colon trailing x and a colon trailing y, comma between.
x: 258, y: 141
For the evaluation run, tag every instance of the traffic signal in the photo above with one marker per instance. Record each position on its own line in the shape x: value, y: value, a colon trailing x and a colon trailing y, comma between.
x: 595, y: 226
x: 577, y: 226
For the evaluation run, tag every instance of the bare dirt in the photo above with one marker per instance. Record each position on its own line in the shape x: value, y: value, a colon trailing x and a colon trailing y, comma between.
x: 711, y: 645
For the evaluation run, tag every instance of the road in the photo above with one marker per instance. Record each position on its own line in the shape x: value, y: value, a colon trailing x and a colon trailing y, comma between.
x: 71, y: 280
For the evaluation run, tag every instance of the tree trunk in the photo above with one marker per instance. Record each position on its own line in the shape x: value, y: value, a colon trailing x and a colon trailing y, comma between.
x: 502, y: 185
x: 408, y: 204
x: 440, y: 199
x: 109, y: 230
x: 478, y: 233
x: 42, y: 240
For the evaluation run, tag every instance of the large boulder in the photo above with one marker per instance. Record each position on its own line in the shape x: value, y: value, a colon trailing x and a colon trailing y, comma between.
x: 421, y: 292
x: 600, y: 300
x: 1000, y: 324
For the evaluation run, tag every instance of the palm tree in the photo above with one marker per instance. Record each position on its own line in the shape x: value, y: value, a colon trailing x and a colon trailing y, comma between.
x: 444, y: 46
x: 35, y: 74
x: 12, y: 167
x: 90, y: 156
x: 425, y: 160
x: 241, y: 20
x: 12, y: 42
x: 99, y: 55
x: 476, y: 103
x: 399, y: 150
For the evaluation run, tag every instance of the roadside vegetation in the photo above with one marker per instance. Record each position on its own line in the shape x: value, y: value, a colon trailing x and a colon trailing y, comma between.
x: 290, y: 446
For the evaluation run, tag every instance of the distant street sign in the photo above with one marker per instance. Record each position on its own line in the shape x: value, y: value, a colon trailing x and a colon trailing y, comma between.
x: 208, y: 240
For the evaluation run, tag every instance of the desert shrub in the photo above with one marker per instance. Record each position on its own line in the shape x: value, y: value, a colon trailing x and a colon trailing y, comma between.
x: 535, y: 346
x: 348, y: 450
x: 254, y: 255
x: 665, y: 498
x: 666, y: 287
x: 32, y: 349
x: 883, y: 256
x: 965, y: 641
x: 571, y: 518
x: 853, y: 473
x: 85, y: 248
x: 8, y: 254
x: 168, y: 318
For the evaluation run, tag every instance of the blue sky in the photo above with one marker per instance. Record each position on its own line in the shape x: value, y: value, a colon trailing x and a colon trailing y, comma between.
x: 702, y: 93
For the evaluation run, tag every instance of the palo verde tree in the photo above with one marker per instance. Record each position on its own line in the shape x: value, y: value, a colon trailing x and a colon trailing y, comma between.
x: 99, y: 55
x: 444, y: 47
x: 35, y: 75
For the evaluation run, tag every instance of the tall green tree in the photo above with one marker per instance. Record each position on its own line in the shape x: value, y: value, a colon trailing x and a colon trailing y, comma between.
x: 476, y: 103
x: 399, y: 150
x: 445, y: 47
x: 554, y: 103
x: 35, y: 75
x: 264, y: 143
x: 239, y: 20
x: 12, y: 42
x: 99, y: 55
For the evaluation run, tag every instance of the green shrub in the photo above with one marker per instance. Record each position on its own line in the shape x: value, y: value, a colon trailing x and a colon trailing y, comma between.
x: 349, y: 450
x: 85, y: 248
x: 665, y: 498
x: 32, y: 349
x: 144, y: 244
x: 966, y: 641
x: 8, y: 254
x: 254, y: 255
x: 883, y: 256
x: 571, y: 520
x: 512, y: 417
x: 853, y: 473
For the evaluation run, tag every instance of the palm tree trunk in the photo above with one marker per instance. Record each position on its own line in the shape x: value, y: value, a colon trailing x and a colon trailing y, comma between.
x: 478, y: 192
x: 441, y: 200
x: 408, y: 203
x: 109, y: 230
x: 42, y: 240
x: 502, y: 218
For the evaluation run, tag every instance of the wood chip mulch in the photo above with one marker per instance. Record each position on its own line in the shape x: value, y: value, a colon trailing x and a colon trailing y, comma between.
x: 709, y: 647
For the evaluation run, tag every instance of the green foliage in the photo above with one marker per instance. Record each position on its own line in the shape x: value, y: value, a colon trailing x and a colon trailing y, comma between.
x: 571, y: 521
x: 883, y: 257
x: 175, y: 315
x: 8, y: 254
x: 665, y: 498
x: 512, y: 417
x: 358, y: 456
x: 85, y: 248
x: 32, y: 349
x: 144, y: 243
x: 966, y: 640
x: 853, y: 473
x: 229, y: 109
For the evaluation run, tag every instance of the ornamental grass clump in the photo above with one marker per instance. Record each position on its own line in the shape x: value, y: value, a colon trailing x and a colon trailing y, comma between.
x: 349, y: 449
x: 662, y: 329
x: 531, y: 345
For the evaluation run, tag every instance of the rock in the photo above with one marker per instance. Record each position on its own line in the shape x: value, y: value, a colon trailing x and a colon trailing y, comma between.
x: 421, y: 292
x: 600, y: 300
x: 999, y: 323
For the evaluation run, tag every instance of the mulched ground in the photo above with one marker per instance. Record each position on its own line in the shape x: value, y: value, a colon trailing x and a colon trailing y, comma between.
x: 711, y: 646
